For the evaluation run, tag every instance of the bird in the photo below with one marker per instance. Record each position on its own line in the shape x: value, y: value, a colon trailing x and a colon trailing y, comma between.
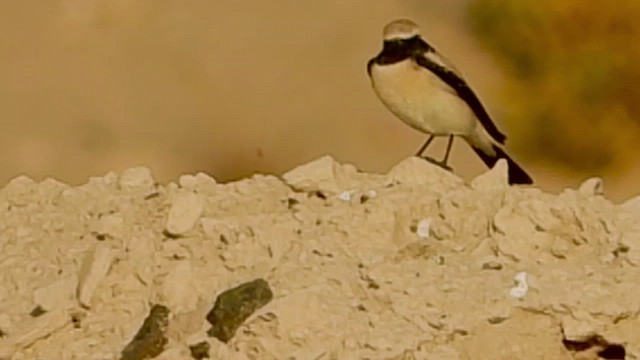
x: 426, y: 91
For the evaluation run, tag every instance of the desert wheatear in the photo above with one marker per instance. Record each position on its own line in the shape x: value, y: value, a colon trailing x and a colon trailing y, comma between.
x: 428, y: 93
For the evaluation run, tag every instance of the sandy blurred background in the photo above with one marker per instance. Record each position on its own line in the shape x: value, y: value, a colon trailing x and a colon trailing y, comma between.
x: 233, y: 88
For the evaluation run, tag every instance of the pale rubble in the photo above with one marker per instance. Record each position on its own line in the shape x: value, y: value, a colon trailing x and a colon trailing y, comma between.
x: 579, y: 326
x: 522, y: 286
x: 418, y: 263
x: 93, y: 270
x: 136, y: 178
x: 495, y: 178
x: 592, y: 187
x: 632, y: 204
x: 178, y: 291
x: 195, y: 182
x: 418, y: 172
x: 326, y: 175
x: 423, y: 229
x: 57, y: 295
x: 184, y: 213
x: 32, y: 331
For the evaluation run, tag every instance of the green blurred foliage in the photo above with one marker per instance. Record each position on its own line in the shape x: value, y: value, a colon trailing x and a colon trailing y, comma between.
x: 574, y: 87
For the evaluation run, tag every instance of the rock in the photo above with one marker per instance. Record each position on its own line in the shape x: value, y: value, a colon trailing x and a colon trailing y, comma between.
x: 178, y: 291
x: 110, y: 225
x: 322, y: 174
x: 522, y: 287
x: 234, y: 306
x: 137, y: 178
x: 192, y: 182
x: 94, y: 269
x: 19, y: 189
x: 33, y: 330
x: 417, y: 171
x: 423, y: 228
x: 150, y: 340
x: 57, y: 295
x: 494, y: 178
x: 200, y: 350
x: 632, y: 204
x: 579, y: 327
x: 184, y: 213
x: 591, y: 187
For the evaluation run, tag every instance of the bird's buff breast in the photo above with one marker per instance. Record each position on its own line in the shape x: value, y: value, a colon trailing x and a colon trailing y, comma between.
x: 420, y: 99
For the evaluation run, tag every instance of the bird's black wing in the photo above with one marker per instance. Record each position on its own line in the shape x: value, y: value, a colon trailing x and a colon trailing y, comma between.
x: 464, y: 91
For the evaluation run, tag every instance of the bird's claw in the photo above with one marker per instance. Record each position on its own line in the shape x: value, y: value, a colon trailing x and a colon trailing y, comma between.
x: 438, y: 163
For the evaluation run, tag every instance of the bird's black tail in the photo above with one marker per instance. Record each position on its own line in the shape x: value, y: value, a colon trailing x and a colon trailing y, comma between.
x: 516, y: 174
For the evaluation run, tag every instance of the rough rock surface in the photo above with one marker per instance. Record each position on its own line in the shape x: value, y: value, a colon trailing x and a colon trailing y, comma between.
x: 413, y: 264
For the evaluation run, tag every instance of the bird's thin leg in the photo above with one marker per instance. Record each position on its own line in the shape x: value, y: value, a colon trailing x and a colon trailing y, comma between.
x: 446, y: 154
x: 424, y: 147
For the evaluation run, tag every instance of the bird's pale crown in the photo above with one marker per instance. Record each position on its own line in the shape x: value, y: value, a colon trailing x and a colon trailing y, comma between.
x: 400, y: 29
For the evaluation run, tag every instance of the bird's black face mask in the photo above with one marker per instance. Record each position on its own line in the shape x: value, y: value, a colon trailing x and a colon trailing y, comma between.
x: 400, y: 49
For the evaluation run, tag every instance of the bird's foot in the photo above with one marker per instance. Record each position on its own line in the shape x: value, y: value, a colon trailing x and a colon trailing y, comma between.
x: 442, y: 164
